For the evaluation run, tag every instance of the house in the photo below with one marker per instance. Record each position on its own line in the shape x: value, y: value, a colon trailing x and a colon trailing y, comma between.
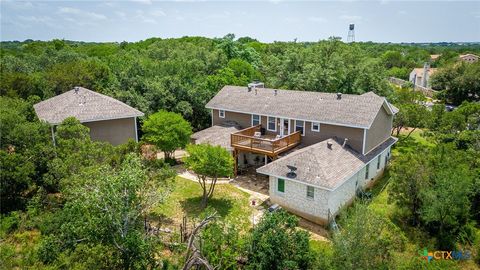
x: 109, y: 119
x: 434, y: 57
x: 318, y: 149
x: 469, y: 58
x: 421, y: 76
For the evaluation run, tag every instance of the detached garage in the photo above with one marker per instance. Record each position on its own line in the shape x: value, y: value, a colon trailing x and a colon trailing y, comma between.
x: 109, y: 119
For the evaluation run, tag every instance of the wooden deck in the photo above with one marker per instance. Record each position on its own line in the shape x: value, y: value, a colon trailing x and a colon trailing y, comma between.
x: 264, y: 144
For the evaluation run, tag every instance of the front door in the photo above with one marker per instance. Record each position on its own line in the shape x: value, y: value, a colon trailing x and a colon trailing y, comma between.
x: 284, y: 127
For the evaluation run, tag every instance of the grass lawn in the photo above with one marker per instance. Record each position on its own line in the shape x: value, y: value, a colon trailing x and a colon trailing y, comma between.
x: 230, y: 203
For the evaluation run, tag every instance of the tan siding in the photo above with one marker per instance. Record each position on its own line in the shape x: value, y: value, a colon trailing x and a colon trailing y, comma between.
x: 244, y: 120
x: 116, y: 131
x: 354, y: 135
x: 379, y: 131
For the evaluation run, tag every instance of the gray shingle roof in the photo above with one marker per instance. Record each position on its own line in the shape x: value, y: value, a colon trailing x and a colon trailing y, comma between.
x: 85, y: 105
x: 350, y: 110
x: 216, y: 135
x: 323, y: 167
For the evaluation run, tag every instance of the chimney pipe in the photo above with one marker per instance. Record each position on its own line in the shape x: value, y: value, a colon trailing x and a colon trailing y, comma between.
x: 345, y: 142
x: 339, y: 95
x: 276, y: 92
x: 76, y: 88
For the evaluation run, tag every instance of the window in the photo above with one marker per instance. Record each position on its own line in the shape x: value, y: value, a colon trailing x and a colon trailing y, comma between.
x: 310, y: 192
x: 300, y: 126
x: 315, y: 126
x: 221, y: 113
x: 281, y: 185
x: 366, y: 171
x: 256, y: 119
x: 378, y: 162
x: 272, y: 124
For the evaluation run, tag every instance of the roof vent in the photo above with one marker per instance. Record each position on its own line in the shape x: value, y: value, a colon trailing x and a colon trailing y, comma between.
x: 329, y: 144
x: 76, y: 88
x: 292, y: 174
x: 345, y: 142
x: 339, y: 95
x: 256, y: 84
x: 276, y: 92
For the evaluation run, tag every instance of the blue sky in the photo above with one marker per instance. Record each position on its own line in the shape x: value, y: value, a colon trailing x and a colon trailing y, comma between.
x: 381, y: 21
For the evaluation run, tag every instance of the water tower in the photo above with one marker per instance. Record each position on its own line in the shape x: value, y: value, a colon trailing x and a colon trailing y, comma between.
x: 351, y: 33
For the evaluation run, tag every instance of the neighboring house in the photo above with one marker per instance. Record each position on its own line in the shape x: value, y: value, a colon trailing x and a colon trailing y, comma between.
x: 421, y: 76
x: 109, y: 119
x: 469, y: 58
x: 434, y: 57
x: 331, y: 139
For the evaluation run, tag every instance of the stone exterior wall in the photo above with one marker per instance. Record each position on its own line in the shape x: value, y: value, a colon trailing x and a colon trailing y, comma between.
x: 325, y: 203
x: 295, y: 200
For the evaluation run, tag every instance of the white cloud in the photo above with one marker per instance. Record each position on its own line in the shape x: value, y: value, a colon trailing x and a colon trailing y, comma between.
x: 351, y: 18
x: 158, y: 13
x: 317, y: 19
x: 36, y: 19
x: 121, y: 14
x: 141, y: 16
x: 147, y: 2
x: 85, y: 14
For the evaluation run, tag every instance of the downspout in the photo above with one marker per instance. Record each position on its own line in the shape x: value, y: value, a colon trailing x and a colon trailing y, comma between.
x: 136, y: 130
x: 53, y: 136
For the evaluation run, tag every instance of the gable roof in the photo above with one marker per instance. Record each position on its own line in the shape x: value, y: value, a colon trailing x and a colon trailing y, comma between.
x: 419, y: 71
x: 85, y: 105
x: 351, y: 110
x: 321, y: 166
x: 468, y: 54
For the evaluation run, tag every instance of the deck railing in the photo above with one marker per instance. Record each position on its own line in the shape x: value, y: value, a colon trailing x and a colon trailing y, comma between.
x: 245, y: 140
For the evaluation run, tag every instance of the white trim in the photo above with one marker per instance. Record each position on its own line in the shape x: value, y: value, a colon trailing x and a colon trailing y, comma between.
x: 295, y: 127
x: 259, y: 119
x: 286, y: 117
x: 311, y: 126
x: 381, y: 143
x: 278, y: 191
x: 364, y: 140
x: 274, y: 124
x: 325, y: 188
x: 96, y: 120
x: 220, y: 115
x: 346, y: 178
x: 297, y: 181
x: 136, y: 131
x: 306, y: 193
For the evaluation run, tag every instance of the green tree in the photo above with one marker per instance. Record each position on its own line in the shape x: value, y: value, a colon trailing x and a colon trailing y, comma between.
x: 409, y: 177
x: 168, y: 131
x: 366, y: 241
x: 446, y: 204
x: 208, y: 163
x: 108, y: 207
x: 276, y: 243
x: 460, y: 82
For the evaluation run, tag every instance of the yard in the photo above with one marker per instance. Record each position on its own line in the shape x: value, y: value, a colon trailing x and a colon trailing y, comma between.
x: 229, y: 202
x: 380, y: 203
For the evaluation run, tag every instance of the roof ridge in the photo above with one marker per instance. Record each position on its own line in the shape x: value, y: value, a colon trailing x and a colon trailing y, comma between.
x: 105, y: 96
